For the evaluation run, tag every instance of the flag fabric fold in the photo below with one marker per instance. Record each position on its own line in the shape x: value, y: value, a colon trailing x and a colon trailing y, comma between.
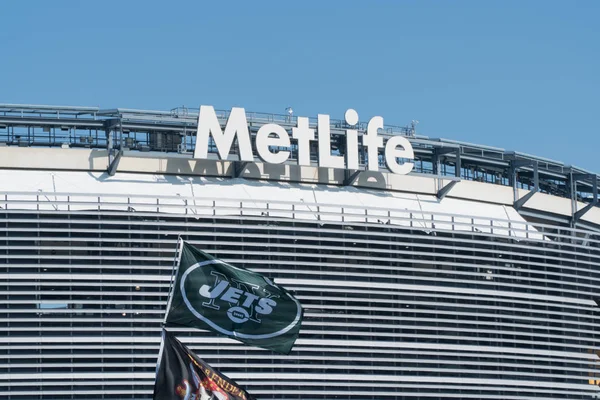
x: 181, y: 374
x: 235, y: 302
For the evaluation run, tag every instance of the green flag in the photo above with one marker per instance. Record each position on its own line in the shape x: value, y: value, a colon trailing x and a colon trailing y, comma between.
x: 210, y: 294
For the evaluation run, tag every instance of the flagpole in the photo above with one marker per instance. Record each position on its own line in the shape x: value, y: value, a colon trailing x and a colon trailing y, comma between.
x: 160, y: 350
x: 159, y: 360
x: 176, y: 261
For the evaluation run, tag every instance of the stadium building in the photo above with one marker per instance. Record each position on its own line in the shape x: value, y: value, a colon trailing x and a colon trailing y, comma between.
x: 472, y: 276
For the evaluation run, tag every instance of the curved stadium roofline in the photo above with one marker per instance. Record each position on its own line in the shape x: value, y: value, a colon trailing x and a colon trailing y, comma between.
x: 174, y: 132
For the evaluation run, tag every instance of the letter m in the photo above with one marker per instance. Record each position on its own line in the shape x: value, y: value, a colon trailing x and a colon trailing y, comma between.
x: 237, y: 124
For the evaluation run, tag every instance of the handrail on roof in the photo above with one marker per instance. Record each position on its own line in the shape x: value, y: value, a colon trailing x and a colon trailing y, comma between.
x: 479, y: 146
x: 96, y: 198
x: 120, y: 111
x: 36, y: 108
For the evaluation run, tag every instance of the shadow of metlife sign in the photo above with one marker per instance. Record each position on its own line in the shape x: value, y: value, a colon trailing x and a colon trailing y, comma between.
x: 270, y: 136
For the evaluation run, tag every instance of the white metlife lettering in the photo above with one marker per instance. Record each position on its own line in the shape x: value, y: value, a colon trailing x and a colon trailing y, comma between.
x: 325, y: 158
x: 373, y: 142
x: 272, y: 135
x: 351, y: 117
x: 237, y: 124
x: 304, y: 135
x: 273, y: 141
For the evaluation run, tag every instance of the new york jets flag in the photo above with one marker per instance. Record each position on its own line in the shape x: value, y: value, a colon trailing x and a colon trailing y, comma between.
x: 210, y: 294
x: 181, y: 374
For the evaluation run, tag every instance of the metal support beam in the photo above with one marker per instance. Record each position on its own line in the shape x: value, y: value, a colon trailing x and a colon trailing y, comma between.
x: 350, y: 178
x: 514, y: 166
x: 522, y: 163
x: 446, y: 189
x: 437, y: 153
x: 109, y: 144
x: 521, y: 202
x: 112, y: 168
x: 239, y: 167
x: 594, y: 178
x: 583, y: 177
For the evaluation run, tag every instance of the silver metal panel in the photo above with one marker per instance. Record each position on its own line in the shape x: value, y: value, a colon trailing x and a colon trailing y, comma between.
x: 391, y: 310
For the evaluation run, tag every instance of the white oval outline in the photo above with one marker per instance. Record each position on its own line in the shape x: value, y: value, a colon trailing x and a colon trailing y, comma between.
x: 217, y: 327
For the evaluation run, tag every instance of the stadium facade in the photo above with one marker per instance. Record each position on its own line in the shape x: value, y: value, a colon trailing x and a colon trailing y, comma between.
x: 473, y: 276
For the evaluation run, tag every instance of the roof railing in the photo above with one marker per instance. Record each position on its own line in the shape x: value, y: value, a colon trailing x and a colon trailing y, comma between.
x: 325, y: 213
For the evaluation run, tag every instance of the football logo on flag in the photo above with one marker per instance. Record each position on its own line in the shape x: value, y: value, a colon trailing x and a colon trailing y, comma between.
x: 239, y: 303
x: 248, y: 304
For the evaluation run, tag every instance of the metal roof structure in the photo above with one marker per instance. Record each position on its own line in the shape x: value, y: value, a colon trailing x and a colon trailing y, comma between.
x: 174, y: 131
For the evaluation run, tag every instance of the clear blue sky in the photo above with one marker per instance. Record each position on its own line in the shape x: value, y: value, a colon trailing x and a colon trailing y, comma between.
x: 522, y: 75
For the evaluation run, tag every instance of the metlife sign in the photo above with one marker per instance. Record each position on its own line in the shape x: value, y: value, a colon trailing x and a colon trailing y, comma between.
x: 397, y: 150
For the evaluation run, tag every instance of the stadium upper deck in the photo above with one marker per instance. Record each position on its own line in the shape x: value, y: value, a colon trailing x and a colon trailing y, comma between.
x: 140, y: 133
